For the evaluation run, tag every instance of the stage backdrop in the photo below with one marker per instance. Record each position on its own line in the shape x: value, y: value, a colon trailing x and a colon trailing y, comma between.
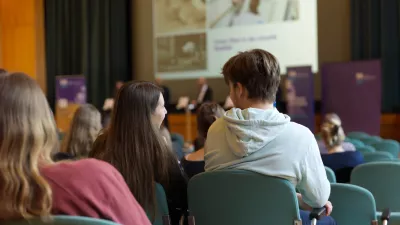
x: 299, y: 88
x: 353, y: 91
x: 195, y: 38
x: 70, y: 94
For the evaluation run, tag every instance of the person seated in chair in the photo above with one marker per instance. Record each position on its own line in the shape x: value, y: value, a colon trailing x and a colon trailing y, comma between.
x: 193, y: 163
x: 32, y: 185
x: 347, y: 146
x: 255, y: 136
x: 340, y: 161
x: 84, y: 129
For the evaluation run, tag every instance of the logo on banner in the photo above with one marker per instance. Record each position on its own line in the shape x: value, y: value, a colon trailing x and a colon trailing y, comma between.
x: 292, y: 74
x: 362, y: 78
x: 64, y: 83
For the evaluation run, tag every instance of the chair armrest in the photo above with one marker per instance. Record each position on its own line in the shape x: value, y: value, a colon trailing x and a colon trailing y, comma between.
x: 317, y: 213
x: 385, y: 215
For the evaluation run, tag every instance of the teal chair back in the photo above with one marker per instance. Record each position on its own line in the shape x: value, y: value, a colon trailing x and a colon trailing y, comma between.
x: 63, y: 220
x: 357, y: 135
x: 352, y: 205
x: 357, y: 143
x: 380, y: 179
x: 371, y: 140
x: 330, y: 174
x: 162, y: 213
x: 377, y: 157
x: 390, y: 146
x: 366, y: 149
x: 241, y: 197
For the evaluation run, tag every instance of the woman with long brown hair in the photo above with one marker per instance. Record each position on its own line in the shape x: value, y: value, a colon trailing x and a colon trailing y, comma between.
x: 32, y: 185
x: 85, y: 127
x: 137, y: 149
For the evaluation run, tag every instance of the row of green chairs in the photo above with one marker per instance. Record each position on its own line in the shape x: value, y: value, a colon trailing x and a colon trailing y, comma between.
x: 358, y: 135
x: 368, y: 144
x: 379, y: 178
x: 244, y: 197
x: 257, y: 195
x: 353, y: 205
x: 241, y: 197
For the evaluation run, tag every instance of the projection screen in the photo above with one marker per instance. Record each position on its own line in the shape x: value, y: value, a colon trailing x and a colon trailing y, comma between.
x: 194, y: 38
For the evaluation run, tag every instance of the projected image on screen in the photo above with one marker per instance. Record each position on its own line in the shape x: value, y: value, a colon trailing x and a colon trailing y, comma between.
x: 181, y: 53
x: 194, y: 38
x: 229, y: 13
x: 179, y: 15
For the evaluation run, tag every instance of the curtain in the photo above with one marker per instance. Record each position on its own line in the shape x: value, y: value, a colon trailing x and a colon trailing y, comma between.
x: 90, y: 38
x: 375, y: 26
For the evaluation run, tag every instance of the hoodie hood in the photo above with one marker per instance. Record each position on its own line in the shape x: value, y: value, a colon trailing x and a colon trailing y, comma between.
x: 249, y: 130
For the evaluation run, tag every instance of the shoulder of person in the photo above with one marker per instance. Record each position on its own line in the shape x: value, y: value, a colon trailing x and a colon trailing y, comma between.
x: 217, y: 126
x: 299, y: 129
x: 85, y: 168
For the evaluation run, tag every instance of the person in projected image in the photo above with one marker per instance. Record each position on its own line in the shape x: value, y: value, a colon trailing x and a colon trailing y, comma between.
x: 249, y: 17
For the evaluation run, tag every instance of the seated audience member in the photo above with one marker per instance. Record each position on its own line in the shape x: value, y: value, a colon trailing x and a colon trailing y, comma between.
x: 136, y: 148
x: 347, y: 146
x: 256, y: 137
x: 340, y: 161
x: 206, y: 115
x: 84, y: 129
x: 32, y: 185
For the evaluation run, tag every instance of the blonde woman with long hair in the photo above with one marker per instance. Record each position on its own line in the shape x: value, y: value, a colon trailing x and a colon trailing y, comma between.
x: 32, y: 185
x: 85, y: 128
x: 338, y: 159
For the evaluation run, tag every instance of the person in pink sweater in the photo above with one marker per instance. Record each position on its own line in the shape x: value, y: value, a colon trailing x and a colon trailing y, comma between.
x: 32, y: 185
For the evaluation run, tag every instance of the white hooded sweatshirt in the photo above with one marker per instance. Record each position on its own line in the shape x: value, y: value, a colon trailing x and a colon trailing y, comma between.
x: 266, y: 142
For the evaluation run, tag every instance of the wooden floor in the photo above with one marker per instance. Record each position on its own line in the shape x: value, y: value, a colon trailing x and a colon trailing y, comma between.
x: 179, y: 123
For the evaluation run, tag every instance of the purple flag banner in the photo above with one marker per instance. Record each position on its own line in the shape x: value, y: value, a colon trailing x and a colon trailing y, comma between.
x: 70, y: 94
x: 299, y: 87
x: 353, y: 91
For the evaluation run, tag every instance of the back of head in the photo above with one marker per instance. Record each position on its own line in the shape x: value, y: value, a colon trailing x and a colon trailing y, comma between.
x: 84, y: 129
x: 27, y: 138
x: 207, y: 114
x: 332, y: 131
x: 134, y: 145
x: 257, y: 70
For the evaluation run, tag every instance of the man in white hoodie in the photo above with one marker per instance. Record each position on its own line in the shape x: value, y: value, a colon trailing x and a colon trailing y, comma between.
x: 255, y: 136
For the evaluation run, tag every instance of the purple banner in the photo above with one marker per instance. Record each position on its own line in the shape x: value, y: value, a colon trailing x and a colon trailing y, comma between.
x: 353, y: 91
x: 70, y: 94
x: 299, y: 87
x: 71, y: 88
